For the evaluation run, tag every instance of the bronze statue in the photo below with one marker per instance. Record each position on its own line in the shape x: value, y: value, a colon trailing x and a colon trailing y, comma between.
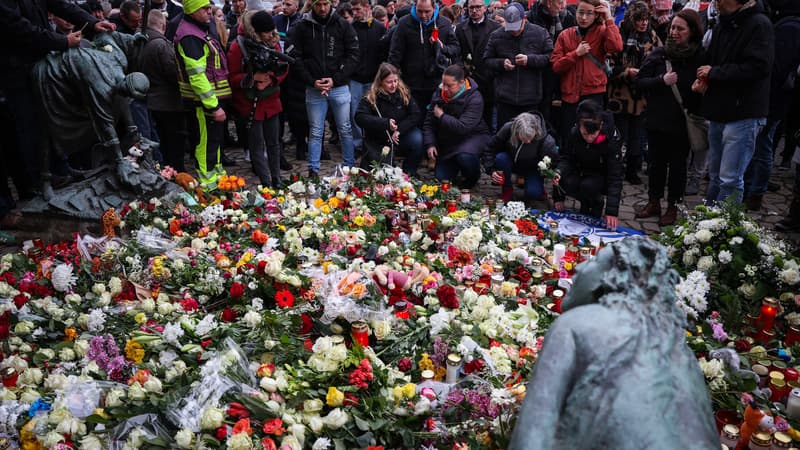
x: 84, y: 93
x: 615, y: 371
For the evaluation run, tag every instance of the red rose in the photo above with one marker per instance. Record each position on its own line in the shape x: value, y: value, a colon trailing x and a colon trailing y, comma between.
x: 268, y: 443
x: 238, y: 411
x: 221, y: 433
x: 274, y: 426
x: 742, y: 346
x: 447, y: 296
x: 20, y: 300
x: 474, y: 366
x: 237, y: 290
x: 522, y: 274
x: 229, y: 315
x: 284, y: 298
x: 308, y: 344
x: 189, y: 304
x: 5, y: 330
x: 306, y: 324
x: 261, y: 266
x: 205, y: 343
x: 404, y: 364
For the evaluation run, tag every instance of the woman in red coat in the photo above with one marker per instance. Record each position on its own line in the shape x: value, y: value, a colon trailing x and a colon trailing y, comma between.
x: 255, y: 74
x: 579, y: 58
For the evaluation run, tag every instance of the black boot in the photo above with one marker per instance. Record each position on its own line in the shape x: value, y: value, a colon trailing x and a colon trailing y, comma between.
x: 285, y: 165
x: 791, y: 222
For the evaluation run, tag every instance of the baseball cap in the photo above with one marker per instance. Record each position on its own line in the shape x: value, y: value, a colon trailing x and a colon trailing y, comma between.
x: 514, y: 14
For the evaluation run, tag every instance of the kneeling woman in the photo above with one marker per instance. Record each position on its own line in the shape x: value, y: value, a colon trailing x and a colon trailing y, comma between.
x: 389, y: 116
x: 454, y: 132
x: 590, y: 164
x: 517, y: 148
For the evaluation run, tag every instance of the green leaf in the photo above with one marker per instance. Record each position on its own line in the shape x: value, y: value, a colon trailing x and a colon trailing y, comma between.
x: 362, y: 424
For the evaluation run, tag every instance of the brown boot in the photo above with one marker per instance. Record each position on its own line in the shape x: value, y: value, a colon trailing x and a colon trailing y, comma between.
x: 753, y: 202
x: 669, y: 216
x: 651, y: 209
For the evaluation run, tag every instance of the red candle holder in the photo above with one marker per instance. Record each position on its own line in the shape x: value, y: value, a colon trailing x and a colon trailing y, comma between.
x: 360, y: 333
x: 9, y: 376
x: 792, y: 336
x: 791, y: 374
x: 452, y: 206
x: 401, y: 310
x: 766, y: 318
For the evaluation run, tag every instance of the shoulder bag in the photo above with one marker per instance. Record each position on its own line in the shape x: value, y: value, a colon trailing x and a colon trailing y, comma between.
x: 696, y: 126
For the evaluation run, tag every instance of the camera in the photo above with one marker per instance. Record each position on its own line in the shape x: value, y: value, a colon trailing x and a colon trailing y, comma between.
x: 264, y: 59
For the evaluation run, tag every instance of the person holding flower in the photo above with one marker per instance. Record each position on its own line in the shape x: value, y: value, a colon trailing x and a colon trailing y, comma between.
x: 389, y: 115
x: 590, y: 164
x: 518, y: 147
x: 454, y: 132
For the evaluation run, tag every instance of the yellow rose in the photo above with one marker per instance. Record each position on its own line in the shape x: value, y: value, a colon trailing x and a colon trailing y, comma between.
x: 410, y: 390
x: 335, y: 397
x: 141, y: 318
x: 325, y: 209
x: 397, y: 393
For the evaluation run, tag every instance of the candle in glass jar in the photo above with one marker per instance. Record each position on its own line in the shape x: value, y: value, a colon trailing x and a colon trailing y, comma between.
x: 791, y: 374
x: 559, y: 250
x: 760, y: 441
x: 729, y: 435
x: 401, y: 310
x: 586, y: 253
x: 781, y: 440
x: 360, y: 333
x: 558, y: 297
x: 763, y: 374
x: 793, y: 405
x: 426, y: 375
x: 497, y: 281
x: 465, y: 196
x: 453, y: 365
x: 769, y: 309
x: 452, y: 206
x: 778, y: 389
x: 792, y: 335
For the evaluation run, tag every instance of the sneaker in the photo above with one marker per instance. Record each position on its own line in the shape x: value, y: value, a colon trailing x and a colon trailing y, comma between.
x: 692, y: 186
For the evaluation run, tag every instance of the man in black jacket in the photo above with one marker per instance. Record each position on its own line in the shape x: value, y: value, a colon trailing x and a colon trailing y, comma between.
x: 370, y: 33
x: 473, y: 35
x: 735, y: 83
x: 553, y: 16
x: 129, y: 18
x: 28, y: 38
x: 517, y: 56
x: 423, y: 45
x: 326, y: 49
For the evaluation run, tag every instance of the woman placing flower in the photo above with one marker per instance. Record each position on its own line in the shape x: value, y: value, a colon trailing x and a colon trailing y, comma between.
x: 454, y: 132
x: 389, y: 116
x: 518, y: 148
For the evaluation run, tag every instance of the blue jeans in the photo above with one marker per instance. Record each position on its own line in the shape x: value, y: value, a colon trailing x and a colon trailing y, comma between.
x: 534, y: 183
x: 731, y: 147
x: 411, y: 147
x: 469, y: 165
x: 357, y: 91
x: 316, y: 108
x: 758, y: 172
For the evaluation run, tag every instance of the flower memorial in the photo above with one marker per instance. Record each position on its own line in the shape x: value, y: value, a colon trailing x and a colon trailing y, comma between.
x: 368, y: 311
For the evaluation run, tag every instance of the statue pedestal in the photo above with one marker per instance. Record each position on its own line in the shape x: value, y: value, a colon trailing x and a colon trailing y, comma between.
x: 50, y: 227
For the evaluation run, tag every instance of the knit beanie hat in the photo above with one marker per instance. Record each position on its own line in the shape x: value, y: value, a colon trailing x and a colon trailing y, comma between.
x: 191, y: 6
x: 262, y: 22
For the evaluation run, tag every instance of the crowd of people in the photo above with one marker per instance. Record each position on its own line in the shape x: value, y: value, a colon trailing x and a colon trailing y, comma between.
x: 603, y: 90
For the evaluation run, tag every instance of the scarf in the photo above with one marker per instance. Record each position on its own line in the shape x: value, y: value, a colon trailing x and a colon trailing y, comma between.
x: 679, y: 52
x: 448, y: 99
x: 636, y: 46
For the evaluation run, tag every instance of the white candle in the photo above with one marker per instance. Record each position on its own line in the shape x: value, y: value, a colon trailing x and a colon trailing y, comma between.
x: 793, y: 404
x: 453, y: 364
x: 559, y: 250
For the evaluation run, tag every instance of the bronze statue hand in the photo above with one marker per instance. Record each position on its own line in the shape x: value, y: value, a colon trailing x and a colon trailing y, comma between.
x: 128, y: 173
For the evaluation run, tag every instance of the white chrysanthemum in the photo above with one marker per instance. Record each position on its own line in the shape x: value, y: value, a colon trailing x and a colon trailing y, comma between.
x: 703, y: 236
x: 62, y: 278
x: 705, y: 263
x: 469, y: 239
x: 96, y: 321
x: 206, y: 325
x: 691, y: 293
x: 172, y: 333
x: 725, y: 257
x: 736, y: 240
x: 252, y: 319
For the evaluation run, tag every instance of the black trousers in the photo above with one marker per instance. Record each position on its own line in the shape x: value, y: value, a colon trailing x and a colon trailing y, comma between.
x: 507, y: 112
x: 588, y: 189
x: 299, y: 129
x: 668, y: 153
x: 265, y: 150
x: 171, y: 126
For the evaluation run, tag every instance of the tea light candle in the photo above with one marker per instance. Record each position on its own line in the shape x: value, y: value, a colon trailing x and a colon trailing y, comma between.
x: 729, y: 435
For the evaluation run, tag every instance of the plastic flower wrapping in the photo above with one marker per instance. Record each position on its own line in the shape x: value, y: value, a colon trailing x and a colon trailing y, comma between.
x: 330, y: 316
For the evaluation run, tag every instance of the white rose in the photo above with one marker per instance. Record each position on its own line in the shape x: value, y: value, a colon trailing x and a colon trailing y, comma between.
x: 336, y: 419
x: 705, y: 263
x: 92, y: 442
x: 316, y: 424
x: 381, y: 329
x: 30, y: 377
x: 703, y: 236
x: 153, y: 384
x: 184, y: 438
x: 81, y: 347
x: 136, y: 393
x: 66, y: 354
x: 114, y: 397
x: 269, y: 384
x: 313, y: 405
x: 72, y: 298
x: 165, y: 308
x: 148, y: 305
x: 211, y: 419
x: 252, y: 319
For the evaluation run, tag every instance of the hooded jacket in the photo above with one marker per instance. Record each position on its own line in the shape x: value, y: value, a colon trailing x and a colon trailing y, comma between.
x: 415, y: 55
x: 522, y: 85
x: 740, y: 56
x: 267, y: 106
x: 462, y: 120
x: 601, y: 158
x: 324, y: 49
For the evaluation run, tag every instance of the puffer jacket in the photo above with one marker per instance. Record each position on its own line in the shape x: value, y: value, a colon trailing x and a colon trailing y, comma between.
x: 579, y: 75
x: 324, y: 49
x: 522, y: 85
x: 462, y: 120
x: 603, y: 158
x: 270, y: 102
x: 391, y: 107
x: 412, y: 51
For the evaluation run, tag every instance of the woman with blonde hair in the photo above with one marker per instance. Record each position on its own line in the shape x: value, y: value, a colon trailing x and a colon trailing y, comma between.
x: 221, y: 24
x: 389, y: 116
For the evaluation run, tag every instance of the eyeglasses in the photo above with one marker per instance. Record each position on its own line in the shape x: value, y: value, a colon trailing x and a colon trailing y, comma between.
x: 584, y: 13
x: 473, y: 7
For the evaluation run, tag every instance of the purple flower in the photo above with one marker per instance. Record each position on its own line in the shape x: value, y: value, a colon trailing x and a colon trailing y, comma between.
x: 439, y: 351
x: 719, y: 333
x: 781, y: 424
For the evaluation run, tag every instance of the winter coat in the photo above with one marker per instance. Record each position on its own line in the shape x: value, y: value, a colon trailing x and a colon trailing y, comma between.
x: 472, y: 55
x: 294, y: 95
x: 663, y: 112
x: 422, y: 61
x: 370, y: 49
x: 391, y: 107
x: 522, y: 85
x: 740, y: 56
x: 785, y: 66
x: 525, y: 156
x: 538, y: 14
x: 462, y: 120
x: 325, y: 50
x: 579, y: 75
x: 240, y: 73
x: 28, y: 36
x: 161, y: 68
x: 623, y: 95
x: 601, y: 158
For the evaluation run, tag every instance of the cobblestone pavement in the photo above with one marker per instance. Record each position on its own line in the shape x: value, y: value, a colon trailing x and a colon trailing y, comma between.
x: 776, y: 204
